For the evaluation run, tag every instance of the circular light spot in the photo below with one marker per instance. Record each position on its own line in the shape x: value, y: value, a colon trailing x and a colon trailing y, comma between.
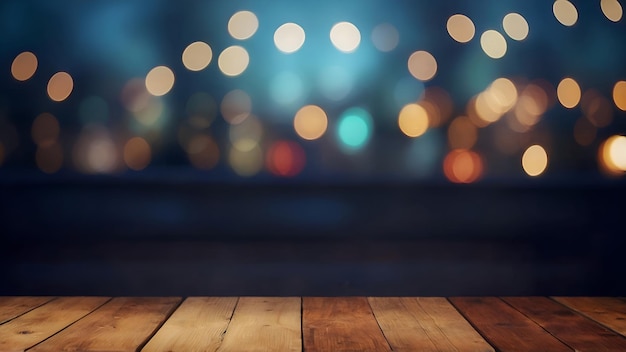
x: 286, y: 88
x: 461, y: 28
x: 568, y: 93
x: 422, y: 65
x: 236, y: 106
x: 515, y: 26
x: 101, y: 154
x: 493, y: 44
x: 345, y: 36
x: 49, y: 159
x: 289, y: 38
x: 45, y: 130
x: 462, y: 133
x: 413, y: 120
x: 310, y: 122
x: 385, y: 37
x: 354, y: 128
x: 462, y: 166
x: 619, y: 95
x: 233, y: 61
x: 246, y: 135
x: 137, y: 153
x: 159, y: 81
x: 247, y: 163
x: 242, y: 25
x: 565, y: 12
x: 285, y: 158
x: 60, y: 86
x: 535, y: 160
x: 617, y: 152
x: 612, y: 9
x: 203, y: 152
x: 197, y: 56
x: 24, y: 66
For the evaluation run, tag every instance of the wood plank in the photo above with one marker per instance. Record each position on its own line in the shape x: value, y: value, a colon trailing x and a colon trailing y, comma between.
x: 121, y: 325
x: 11, y: 307
x: 608, y: 311
x: 505, y: 328
x: 425, y: 324
x: 42, y: 322
x: 576, y: 331
x: 340, y: 324
x: 198, y: 324
x: 264, y: 324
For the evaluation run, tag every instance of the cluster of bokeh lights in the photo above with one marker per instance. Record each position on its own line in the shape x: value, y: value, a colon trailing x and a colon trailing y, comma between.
x: 252, y: 146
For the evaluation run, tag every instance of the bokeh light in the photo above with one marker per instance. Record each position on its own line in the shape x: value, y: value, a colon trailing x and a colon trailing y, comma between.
x: 197, y: 56
x: 60, y: 86
x: 354, y: 129
x: 462, y: 166
x: 461, y: 28
x: 565, y: 12
x: 619, y: 95
x: 568, y: 92
x: 462, y: 133
x: 612, y: 155
x: 413, y: 120
x: 493, y: 44
x: 95, y: 151
x: 289, y: 38
x: 535, y: 160
x: 310, y: 122
x: 233, y: 61
x: 385, y: 37
x: 236, y: 106
x: 159, y: 81
x: 345, y: 36
x: 242, y: 25
x: 137, y: 153
x: 285, y: 158
x: 597, y: 108
x: 246, y: 135
x: 49, y: 159
x: 422, y: 65
x: 203, y: 152
x: 515, y: 26
x: 24, y: 66
x: 612, y: 9
x: 45, y: 130
x: 246, y: 163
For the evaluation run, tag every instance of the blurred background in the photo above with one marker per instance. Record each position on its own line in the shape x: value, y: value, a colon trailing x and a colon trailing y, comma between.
x: 489, y: 133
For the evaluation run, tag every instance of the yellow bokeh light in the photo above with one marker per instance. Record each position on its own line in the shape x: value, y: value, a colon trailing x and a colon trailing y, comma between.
x: 49, y: 159
x: 197, y: 56
x: 493, y: 44
x: 515, y: 26
x: 24, y: 66
x: 310, y: 122
x: 60, y: 86
x: 233, y: 61
x: 612, y: 9
x: 159, y: 81
x: 612, y: 155
x: 385, y: 37
x: 45, y: 130
x: 413, y: 120
x: 289, y: 38
x: 565, y: 12
x: 569, y: 93
x: 246, y: 163
x: 236, y: 106
x: 535, y: 160
x: 461, y: 28
x: 422, y: 65
x: 137, y: 153
x: 243, y: 24
x: 503, y: 93
x: 619, y: 95
x: 486, y: 108
x: 246, y: 135
x: 462, y: 134
x: 345, y: 36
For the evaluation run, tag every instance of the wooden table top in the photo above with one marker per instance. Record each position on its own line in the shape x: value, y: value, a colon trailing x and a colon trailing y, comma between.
x: 312, y: 324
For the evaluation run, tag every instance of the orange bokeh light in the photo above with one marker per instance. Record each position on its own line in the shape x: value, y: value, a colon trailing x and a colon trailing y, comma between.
x: 463, y: 166
x: 285, y: 158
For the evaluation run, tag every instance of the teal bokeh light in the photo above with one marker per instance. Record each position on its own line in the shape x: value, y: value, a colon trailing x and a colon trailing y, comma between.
x: 354, y: 129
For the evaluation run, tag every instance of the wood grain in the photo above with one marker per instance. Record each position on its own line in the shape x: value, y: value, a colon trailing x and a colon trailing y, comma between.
x: 121, y: 325
x: 608, y: 311
x: 425, y: 324
x: 340, y: 324
x: 264, y: 324
x: 11, y: 307
x: 42, y: 322
x: 573, y: 329
x: 505, y: 328
x: 198, y: 324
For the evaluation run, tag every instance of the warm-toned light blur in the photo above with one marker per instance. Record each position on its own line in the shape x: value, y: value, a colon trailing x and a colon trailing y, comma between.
x: 197, y: 56
x: 619, y: 95
x: 246, y: 163
x: 568, y: 92
x: 535, y: 160
x: 612, y: 9
x: 242, y: 25
x: 285, y: 158
x: 60, y: 86
x: 597, y: 108
x: 310, y: 122
x: 246, y: 135
x: 612, y: 155
x: 233, y: 61
x: 413, y: 120
x: 236, y: 106
x: 24, y: 66
x: 462, y: 166
x: 137, y: 153
x: 289, y: 38
x: 565, y: 12
x: 515, y: 26
x: 462, y: 133
x: 203, y: 152
x: 461, y: 28
x: 45, y: 130
x: 422, y: 65
x: 493, y: 44
x: 159, y: 81
x: 345, y: 36
x: 385, y: 37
